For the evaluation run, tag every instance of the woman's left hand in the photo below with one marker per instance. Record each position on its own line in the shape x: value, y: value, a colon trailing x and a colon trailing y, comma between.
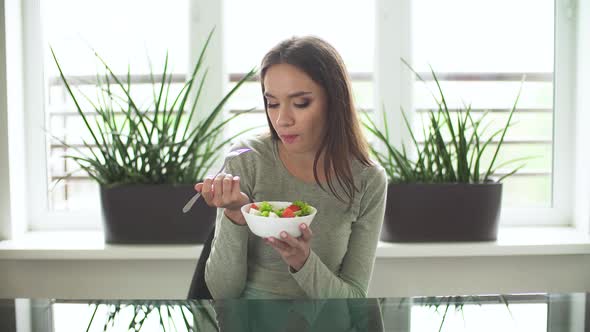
x: 294, y: 251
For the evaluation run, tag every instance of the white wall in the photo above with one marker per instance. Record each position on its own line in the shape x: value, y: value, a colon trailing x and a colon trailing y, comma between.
x: 5, y: 231
x: 582, y: 150
x: 12, y: 129
x: 170, y: 279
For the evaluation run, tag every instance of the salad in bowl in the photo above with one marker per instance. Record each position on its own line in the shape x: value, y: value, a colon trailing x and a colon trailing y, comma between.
x: 267, y: 219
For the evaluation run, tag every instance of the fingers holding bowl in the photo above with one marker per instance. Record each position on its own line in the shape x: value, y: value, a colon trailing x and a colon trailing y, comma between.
x: 306, y: 233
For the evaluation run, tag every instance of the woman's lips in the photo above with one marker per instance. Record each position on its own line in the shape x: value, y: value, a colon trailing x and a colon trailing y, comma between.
x: 289, y: 138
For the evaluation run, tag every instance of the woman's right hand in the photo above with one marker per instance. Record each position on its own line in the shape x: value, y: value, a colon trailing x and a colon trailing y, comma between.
x: 223, y: 191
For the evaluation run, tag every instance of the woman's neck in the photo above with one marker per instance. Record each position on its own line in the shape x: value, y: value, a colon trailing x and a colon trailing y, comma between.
x: 301, y: 164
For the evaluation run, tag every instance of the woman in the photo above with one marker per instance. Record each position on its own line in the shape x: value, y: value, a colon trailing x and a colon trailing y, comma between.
x: 315, y: 152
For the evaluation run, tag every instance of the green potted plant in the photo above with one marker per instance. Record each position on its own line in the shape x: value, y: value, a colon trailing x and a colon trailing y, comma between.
x: 147, y: 159
x: 443, y: 191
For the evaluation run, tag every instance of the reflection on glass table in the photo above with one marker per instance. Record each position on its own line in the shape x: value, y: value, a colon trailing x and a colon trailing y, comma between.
x: 514, y: 312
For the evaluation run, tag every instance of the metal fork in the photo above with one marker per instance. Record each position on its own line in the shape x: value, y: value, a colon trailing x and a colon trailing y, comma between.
x: 229, y: 156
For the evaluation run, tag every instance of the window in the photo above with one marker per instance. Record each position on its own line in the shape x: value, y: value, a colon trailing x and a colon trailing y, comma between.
x: 257, y: 26
x: 478, y: 53
x: 477, y: 50
x: 131, y: 33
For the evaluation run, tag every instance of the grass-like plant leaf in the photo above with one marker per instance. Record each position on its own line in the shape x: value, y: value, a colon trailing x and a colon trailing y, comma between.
x: 158, y: 143
x: 453, y: 146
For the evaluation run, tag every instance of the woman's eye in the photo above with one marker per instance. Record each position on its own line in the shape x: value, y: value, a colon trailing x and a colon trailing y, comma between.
x: 297, y: 105
x: 302, y: 105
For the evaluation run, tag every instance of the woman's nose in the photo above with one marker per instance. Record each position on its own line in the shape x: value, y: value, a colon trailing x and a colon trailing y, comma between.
x: 284, y: 117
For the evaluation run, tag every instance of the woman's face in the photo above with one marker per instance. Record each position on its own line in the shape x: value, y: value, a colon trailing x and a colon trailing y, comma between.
x: 296, y: 106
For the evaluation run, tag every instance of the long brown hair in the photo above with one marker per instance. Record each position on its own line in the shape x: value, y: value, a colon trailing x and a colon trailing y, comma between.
x: 344, y: 138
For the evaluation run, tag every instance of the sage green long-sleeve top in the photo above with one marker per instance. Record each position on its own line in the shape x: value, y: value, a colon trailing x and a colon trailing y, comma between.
x: 343, y: 241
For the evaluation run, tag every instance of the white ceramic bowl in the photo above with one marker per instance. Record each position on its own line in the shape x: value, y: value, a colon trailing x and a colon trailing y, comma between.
x: 266, y: 227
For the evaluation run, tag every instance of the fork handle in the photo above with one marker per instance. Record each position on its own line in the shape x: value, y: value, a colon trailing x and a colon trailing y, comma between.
x: 191, y: 202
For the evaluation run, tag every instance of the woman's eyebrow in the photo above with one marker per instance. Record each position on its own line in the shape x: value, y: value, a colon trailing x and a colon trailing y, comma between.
x: 295, y: 94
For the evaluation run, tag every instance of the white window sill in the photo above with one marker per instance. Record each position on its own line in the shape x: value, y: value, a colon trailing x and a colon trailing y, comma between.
x: 512, y: 241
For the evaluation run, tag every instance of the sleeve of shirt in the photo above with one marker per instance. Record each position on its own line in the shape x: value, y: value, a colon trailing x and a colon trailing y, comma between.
x: 318, y: 281
x: 226, y: 268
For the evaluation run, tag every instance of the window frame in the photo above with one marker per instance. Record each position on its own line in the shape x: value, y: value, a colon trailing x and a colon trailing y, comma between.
x: 393, y: 89
x: 394, y: 86
x: 40, y: 218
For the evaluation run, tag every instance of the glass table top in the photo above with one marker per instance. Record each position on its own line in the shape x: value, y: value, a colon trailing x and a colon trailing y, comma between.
x: 510, y: 312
